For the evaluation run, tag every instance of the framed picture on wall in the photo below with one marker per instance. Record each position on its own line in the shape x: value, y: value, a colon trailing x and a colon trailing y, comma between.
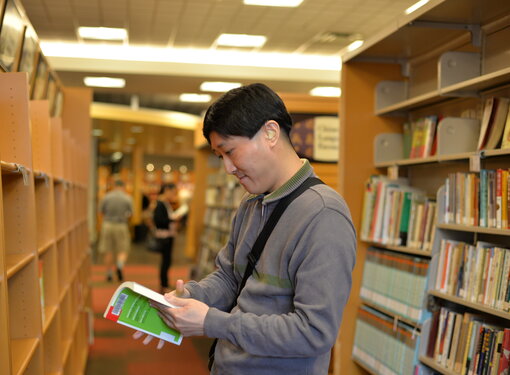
x: 11, y: 36
x: 52, y: 92
x: 59, y: 102
x: 29, y: 54
x: 41, y: 79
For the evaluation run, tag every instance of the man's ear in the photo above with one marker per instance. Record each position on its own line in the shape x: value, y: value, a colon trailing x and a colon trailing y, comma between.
x: 271, y: 131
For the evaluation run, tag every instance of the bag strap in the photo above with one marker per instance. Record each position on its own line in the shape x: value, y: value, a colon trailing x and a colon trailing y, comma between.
x: 260, y: 242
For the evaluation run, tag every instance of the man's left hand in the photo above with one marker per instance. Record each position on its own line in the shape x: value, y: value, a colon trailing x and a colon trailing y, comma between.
x: 187, y: 317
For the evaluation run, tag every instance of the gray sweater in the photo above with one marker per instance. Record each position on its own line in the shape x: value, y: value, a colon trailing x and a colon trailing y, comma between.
x: 287, y: 317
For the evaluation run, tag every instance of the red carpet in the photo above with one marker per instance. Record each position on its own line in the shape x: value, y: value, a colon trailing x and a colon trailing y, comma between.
x: 114, y: 351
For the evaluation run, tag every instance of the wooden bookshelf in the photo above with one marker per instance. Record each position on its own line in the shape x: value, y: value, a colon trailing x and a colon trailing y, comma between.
x: 409, y: 55
x: 401, y: 249
x: 475, y: 306
x: 40, y: 272
x: 432, y: 364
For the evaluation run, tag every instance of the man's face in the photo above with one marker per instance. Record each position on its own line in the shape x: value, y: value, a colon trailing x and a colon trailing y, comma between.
x: 246, y: 159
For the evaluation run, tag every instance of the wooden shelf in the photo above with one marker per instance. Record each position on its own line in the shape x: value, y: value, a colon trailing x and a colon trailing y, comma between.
x: 50, y: 313
x: 28, y: 242
x: 432, y: 364
x: 467, y: 228
x: 42, y: 249
x: 15, y: 262
x: 22, y: 351
x: 444, y: 158
x: 365, y: 367
x: 401, y: 249
x: 8, y: 167
x: 391, y: 314
x: 481, y: 83
x: 475, y: 306
x: 412, y: 103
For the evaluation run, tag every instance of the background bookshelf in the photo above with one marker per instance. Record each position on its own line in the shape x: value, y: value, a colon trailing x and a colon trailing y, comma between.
x: 423, y: 64
x: 44, y: 255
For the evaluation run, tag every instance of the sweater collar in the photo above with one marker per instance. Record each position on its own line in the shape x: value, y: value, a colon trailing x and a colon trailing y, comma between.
x: 302, y: 174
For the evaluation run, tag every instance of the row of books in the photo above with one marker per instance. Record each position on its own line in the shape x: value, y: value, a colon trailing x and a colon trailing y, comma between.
x: 495, y: 124
x: 228, y: 195
x: 219, y: 218
x: 419, y: 138
x: 477, y: 273
x: 384, y: 346
x: 479, y: 200
x: 396, y: 282
x: 465, y: 344
x: 396, y: 214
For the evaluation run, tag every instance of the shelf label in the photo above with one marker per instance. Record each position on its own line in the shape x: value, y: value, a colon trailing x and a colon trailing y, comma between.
x: 393, y: 172
x: 474, y: 163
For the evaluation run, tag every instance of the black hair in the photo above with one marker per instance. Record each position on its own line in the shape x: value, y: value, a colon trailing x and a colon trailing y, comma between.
x: 168, y: 186
x: 244, y: 110
x: 118, y: 183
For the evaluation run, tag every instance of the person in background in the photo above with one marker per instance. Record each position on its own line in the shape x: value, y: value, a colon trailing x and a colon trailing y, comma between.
x: 115, y: 240
x: 286, y: 318
x: 165, y: 221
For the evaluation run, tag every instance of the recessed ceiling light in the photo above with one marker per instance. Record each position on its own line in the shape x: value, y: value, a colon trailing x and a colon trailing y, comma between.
x: 274, y: 3
x: 355, y: 45
x: 167, y: 168
x: 416, y: 6
x: 103, y: 33
x: 195, y: 98
x: 104, y: 82
x: 241, y: 40
x: 218, y: 86
x: 329, y: 91
x: 149, y: 167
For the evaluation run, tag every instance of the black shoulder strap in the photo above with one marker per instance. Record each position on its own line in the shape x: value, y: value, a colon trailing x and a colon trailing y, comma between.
x: 261, y: 240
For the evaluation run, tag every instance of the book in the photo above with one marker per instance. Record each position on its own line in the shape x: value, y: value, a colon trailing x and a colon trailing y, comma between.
x: 498, y: 124
x: 130, y: 307
x: 505, y: 141
x: 488, y: 110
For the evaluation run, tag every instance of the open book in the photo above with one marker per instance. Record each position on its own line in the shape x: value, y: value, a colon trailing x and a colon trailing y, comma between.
x: 130, y: 306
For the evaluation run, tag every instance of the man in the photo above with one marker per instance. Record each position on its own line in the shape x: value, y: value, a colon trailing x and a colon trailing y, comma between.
x: 116, y: 208
x: 286, y: 318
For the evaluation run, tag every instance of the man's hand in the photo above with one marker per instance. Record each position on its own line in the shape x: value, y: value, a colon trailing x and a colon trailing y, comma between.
x: 179, y: 291
x: 187, y: 317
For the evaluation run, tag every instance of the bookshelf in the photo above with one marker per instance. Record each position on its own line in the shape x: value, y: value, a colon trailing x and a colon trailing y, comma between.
x: 44, y: 259
x: 422, y: 64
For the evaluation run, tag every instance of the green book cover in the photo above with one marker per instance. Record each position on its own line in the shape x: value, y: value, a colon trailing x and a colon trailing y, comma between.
x: 130, y: 306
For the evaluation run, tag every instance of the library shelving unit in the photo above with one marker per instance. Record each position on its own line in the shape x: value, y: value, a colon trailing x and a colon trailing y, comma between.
x: 444, y: 59
x: 44, y: 256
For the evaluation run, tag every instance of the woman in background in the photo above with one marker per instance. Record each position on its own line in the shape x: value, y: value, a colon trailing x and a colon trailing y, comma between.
x: 165, y: 220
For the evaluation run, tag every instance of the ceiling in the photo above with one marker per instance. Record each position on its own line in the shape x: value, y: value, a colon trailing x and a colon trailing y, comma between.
x: 316, y: 27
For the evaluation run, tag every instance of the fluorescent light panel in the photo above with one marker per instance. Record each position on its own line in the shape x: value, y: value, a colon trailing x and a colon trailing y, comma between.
x: 218, y: 86
x: 274, y: 3
x: 102, y: 33
x: 195, y: 98
x: 416, y: 6
x: 329, y: 91
x: 104, y: 82
x: 191, y: 56
x: 241, y: 40
x: 355, y: 45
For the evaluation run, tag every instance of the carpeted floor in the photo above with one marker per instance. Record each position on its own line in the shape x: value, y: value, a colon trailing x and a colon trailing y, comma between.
x: 114, y: 351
